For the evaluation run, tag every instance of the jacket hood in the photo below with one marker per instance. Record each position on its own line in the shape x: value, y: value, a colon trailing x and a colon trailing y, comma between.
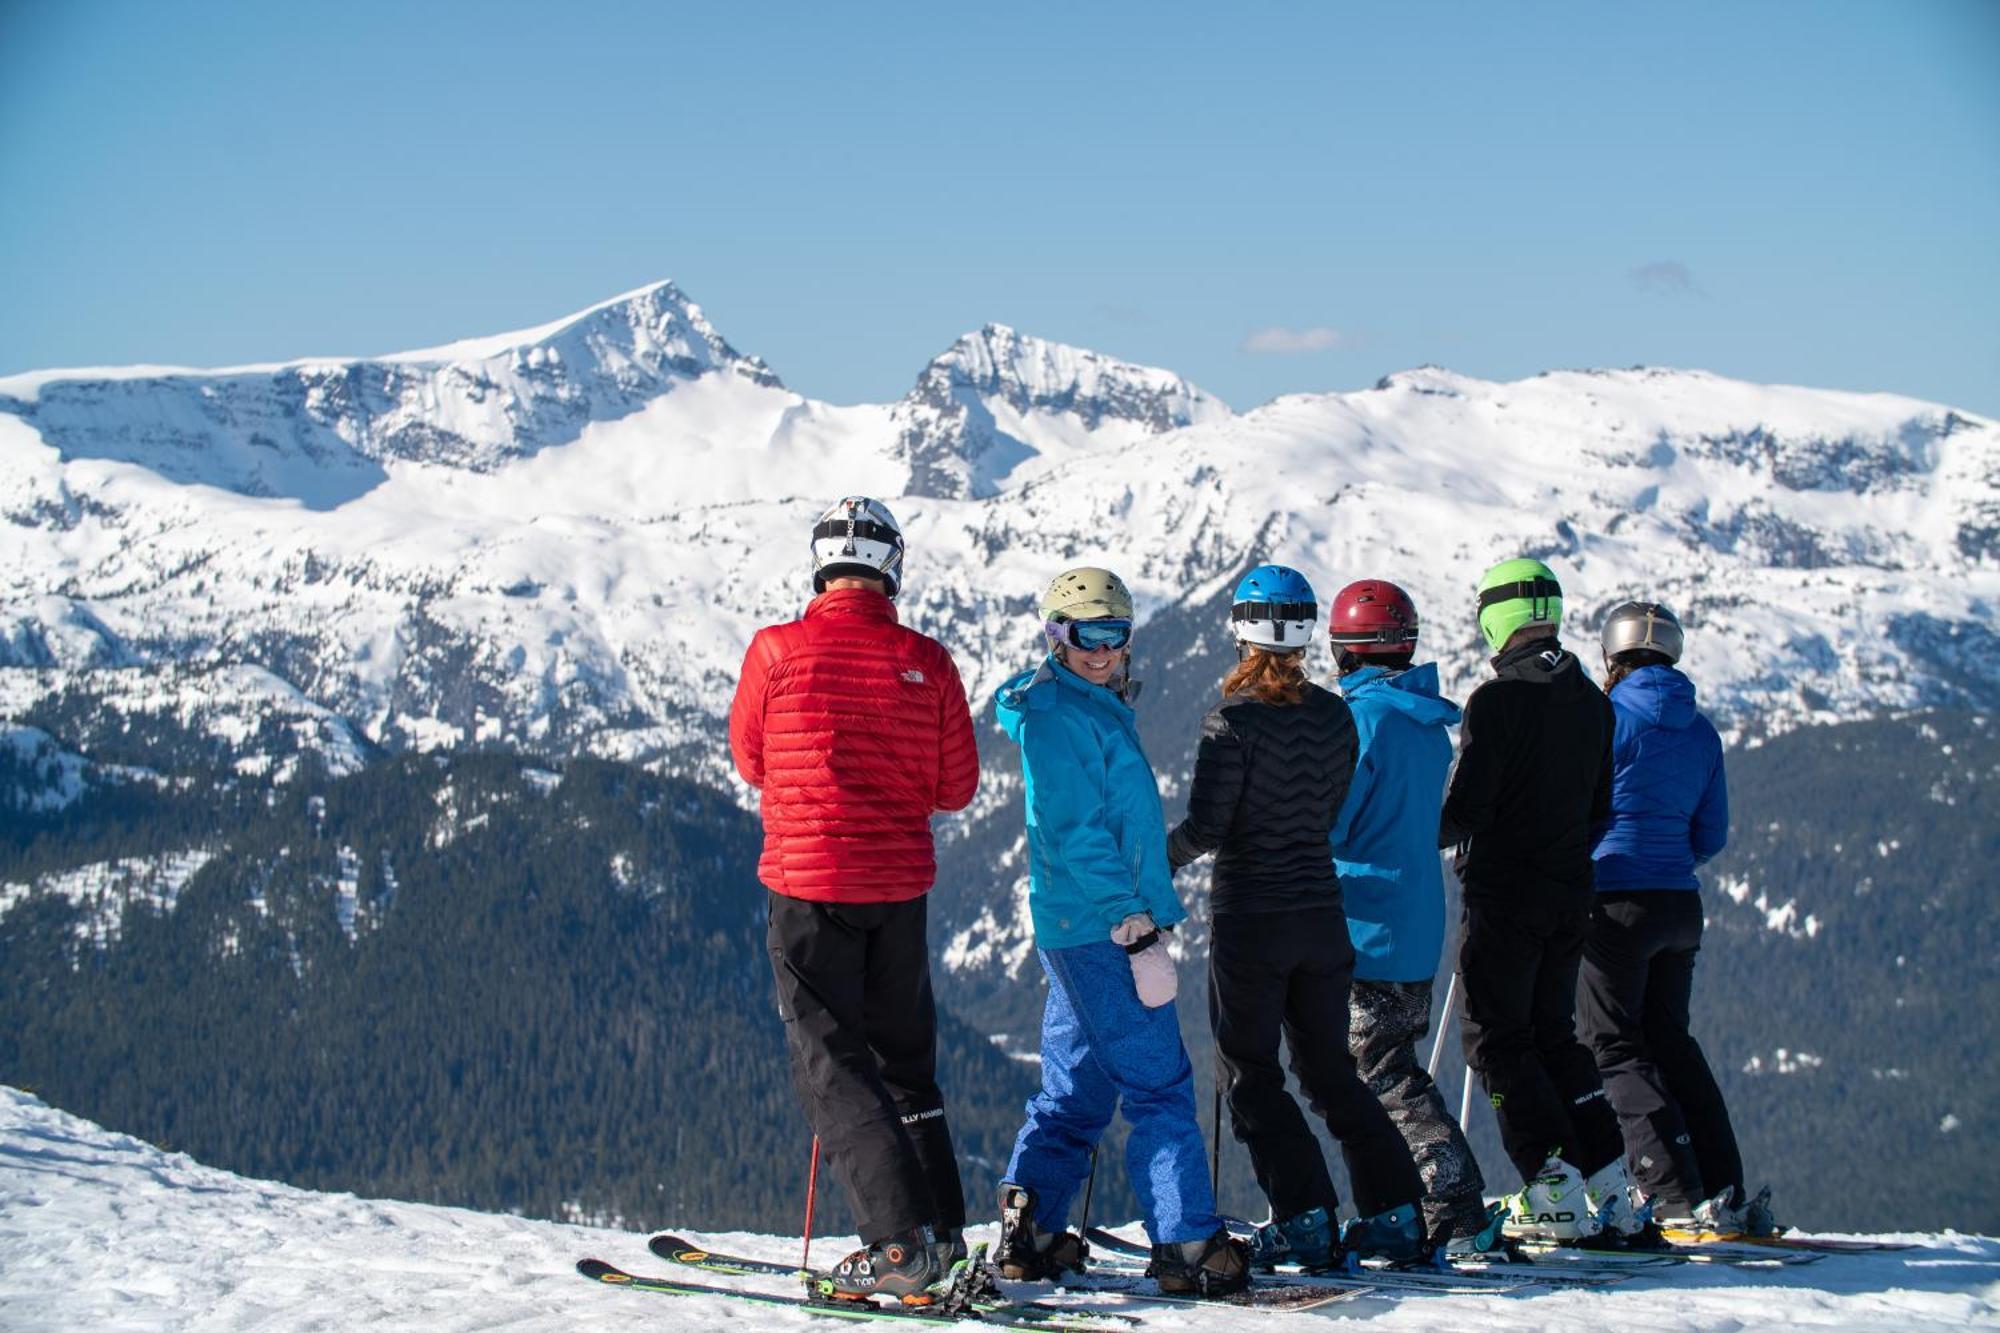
x: 1660, y: 694
x: 1414, y: 693
x: 1039, y: 687
x: 1542, y: 661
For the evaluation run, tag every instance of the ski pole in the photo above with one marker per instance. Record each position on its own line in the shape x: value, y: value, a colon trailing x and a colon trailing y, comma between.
x: 1443, y: 1026
x: 1215, y: 1146
x: 812, y: 1190
x: 1089, y: 1185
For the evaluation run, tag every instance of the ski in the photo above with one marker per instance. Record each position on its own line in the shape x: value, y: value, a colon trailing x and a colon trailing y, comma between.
x: 1830, y: 1245
x: 599, y: 1271
x: 1380, y: 1279
x: 1270, y: 1296
x: 1284, y: 1296
x: 680, y: 1250
x: 1569, y: 1267
x: 1713, y: 1252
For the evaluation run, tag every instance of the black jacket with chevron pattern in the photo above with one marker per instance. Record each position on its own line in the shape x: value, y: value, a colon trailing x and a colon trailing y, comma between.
x: 1269, y: 780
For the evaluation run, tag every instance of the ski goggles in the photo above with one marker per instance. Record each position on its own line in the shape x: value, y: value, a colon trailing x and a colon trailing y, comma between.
x: 1090, y: 636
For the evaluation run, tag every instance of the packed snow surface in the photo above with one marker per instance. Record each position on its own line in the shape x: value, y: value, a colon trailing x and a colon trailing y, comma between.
x: 102, y: 1231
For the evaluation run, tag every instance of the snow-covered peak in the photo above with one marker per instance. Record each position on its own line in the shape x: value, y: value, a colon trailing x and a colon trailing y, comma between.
x: 652, y: 327
x: 323, y: 432
x: 998, y: 407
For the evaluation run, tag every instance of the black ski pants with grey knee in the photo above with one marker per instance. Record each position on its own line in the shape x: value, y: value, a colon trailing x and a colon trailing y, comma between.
x: 854, y: 990
x: 1518, y: 957
x: 1638, y: 972
x: 1386, y: 1020
x: 1287, y: 973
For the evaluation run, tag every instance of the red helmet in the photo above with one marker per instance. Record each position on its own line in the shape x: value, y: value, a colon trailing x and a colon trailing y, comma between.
x: 1373, y: 618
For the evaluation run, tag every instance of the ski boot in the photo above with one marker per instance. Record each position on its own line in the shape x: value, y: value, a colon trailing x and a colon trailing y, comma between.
x: 1026, y: 1252
x: 1486, y: 1239
x: 1728, y: 1216
x: 1623, y: 1218
x: 1395, y: 1234
x: 1551, y: 1208
x: 1217, y: 1266
x: 1758, y: 1219
x: 1305, y: 1239
x: 906, y: 1267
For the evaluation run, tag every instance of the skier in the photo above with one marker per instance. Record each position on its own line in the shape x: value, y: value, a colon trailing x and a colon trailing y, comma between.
x: 1532, y: 778
x: 1270, y: 774
x: 1669, y: 814
x: 1101, y: 898
x: 856, y: 731
x: 1385, y: 849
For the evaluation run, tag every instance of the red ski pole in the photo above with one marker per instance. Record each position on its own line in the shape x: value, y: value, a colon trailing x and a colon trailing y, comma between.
x: 812, y: 1192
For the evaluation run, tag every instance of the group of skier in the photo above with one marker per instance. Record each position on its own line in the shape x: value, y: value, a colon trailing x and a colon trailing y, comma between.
x: 1577, y: 821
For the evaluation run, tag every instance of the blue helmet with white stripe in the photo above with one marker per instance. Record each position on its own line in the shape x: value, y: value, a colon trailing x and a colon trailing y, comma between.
x: 1274, y: 608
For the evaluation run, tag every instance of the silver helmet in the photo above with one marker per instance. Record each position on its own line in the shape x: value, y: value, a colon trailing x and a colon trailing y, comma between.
x: 1643, y: 625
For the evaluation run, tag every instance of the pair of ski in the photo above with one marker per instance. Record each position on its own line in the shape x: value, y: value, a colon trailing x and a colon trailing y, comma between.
x: 1476, y: 1278
x: 1808, y: 1244
x: 1723, y: 1253
x: 967, y: 1281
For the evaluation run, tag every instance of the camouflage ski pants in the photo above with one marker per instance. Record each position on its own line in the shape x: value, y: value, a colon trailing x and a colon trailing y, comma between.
x: 1386, y: 1019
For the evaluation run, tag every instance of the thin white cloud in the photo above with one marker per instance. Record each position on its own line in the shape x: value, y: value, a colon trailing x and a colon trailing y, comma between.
x: 1277, y: 340
x: 1667, y: 276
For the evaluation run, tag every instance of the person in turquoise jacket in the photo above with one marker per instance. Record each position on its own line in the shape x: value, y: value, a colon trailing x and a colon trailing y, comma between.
x: 1101, y: 896
x: 1385, y: 848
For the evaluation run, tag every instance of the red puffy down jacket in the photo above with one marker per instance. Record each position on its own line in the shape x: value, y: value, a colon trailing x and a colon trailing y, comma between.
x: 856, y: 730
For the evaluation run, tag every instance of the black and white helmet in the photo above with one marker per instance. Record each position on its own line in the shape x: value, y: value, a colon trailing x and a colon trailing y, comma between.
x: 857, y: 536
x: 1642, y: 625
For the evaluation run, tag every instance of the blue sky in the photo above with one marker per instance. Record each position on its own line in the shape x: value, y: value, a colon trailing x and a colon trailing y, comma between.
x: 1264, y: 198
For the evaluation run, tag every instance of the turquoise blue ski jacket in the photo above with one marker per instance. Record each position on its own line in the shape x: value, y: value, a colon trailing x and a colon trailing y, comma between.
x: 1097, y: 838
x: 1385, y: 841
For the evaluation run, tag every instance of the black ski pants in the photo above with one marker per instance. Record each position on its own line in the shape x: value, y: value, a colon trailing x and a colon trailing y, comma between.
x: 1638, y: 971
x: 854, y: 989
x: 1386, y: 1020
x: 1273, y: 973
x: 1518, y: 957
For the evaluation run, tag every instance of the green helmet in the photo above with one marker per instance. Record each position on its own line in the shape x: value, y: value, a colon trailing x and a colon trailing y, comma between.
x: 1515, y: 593
x: 1086, y: 594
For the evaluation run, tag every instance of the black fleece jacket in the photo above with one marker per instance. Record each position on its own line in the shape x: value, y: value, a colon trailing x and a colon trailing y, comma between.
x: 1269, y: 780
x: 1533, y: 775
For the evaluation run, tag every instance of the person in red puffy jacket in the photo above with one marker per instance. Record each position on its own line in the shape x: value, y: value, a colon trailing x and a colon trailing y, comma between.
x: 856, y: 731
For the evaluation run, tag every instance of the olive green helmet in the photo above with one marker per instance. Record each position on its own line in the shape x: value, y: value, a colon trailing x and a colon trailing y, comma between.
x: 1515, y: 593
x: 1086, y: 594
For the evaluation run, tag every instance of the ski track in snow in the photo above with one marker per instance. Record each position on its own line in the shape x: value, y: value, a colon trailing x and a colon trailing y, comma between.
x: 102, y: 1231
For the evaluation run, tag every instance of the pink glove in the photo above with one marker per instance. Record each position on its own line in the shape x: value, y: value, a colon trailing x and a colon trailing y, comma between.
x: 1152, y: 965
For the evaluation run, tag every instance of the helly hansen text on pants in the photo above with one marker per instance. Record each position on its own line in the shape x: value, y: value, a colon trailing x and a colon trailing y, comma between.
x: 1517, y: 963
x: 854, y: 990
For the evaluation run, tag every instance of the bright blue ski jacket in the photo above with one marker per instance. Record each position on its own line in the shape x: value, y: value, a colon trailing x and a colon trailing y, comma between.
x: 1097, y: 838
x: 1669, y: 800
x: 1385, y: 841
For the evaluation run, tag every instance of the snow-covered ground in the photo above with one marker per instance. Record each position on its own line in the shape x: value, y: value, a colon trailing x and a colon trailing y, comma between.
x: 102, y: 1231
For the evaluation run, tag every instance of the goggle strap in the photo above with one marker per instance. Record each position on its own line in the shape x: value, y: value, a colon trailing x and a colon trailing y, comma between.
x: 1274, y: 611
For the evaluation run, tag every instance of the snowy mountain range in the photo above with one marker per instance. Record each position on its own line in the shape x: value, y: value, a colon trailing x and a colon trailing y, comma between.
x: 561, y: 539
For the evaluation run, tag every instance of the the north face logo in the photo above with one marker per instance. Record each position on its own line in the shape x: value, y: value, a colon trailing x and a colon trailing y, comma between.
x: 914, y: 676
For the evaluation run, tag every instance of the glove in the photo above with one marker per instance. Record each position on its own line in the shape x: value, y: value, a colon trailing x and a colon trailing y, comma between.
x: 1152, y: 965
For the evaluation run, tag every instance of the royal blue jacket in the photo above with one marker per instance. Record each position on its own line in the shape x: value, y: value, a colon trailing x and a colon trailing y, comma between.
x: 1669, y: 802
x: 1385, y: 841
x: 1097, y: 838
